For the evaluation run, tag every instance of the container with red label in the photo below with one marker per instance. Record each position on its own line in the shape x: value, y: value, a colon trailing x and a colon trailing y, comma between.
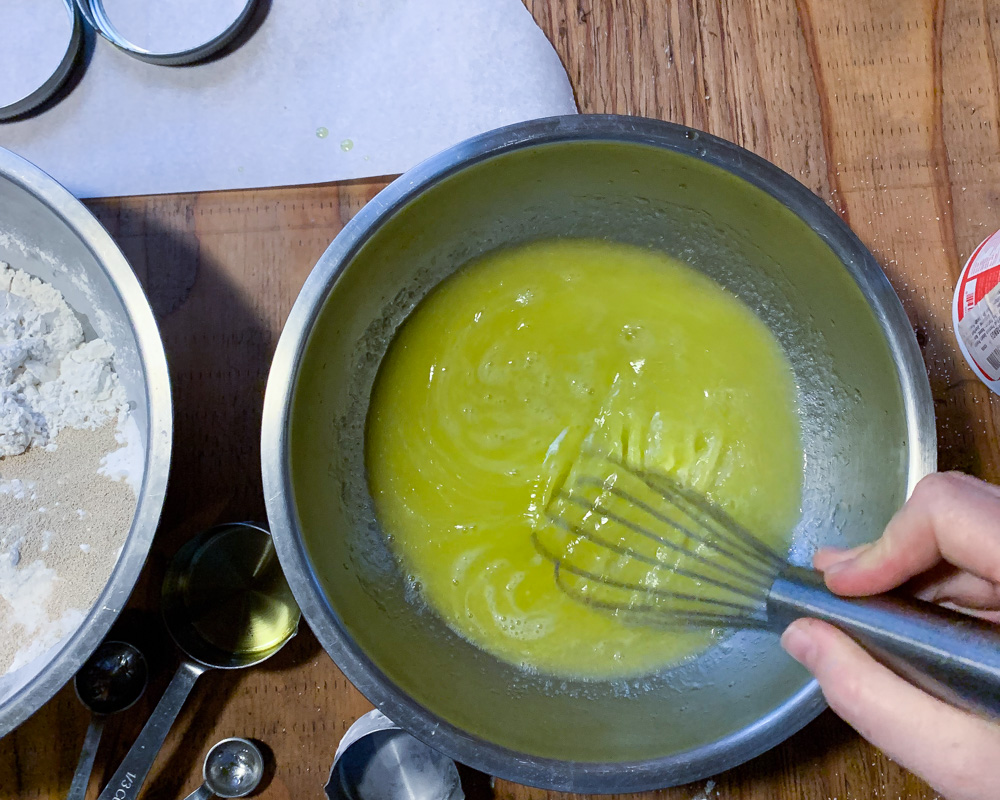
x: 976, y: 312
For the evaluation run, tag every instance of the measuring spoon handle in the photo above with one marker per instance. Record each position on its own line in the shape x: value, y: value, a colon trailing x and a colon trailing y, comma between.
x: 201, y: 793
x: 128, y: 779
x: 85, y: 766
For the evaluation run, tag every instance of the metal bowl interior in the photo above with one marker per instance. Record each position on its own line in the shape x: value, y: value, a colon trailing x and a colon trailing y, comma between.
x: 864, y: 406
x: 46, y: 232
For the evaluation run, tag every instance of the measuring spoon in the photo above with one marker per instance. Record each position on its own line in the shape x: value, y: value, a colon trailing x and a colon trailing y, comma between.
x: 226, y: 605
x: 233, y: 768
x: 111, y: 680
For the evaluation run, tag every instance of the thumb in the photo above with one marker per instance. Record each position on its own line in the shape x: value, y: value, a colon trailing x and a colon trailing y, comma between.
x: 954, y: 751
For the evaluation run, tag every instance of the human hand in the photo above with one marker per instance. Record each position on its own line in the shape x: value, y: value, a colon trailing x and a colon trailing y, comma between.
x: 945, y: 542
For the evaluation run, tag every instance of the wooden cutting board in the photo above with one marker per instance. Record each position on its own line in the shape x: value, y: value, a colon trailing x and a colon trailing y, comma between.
x: 888, y: 110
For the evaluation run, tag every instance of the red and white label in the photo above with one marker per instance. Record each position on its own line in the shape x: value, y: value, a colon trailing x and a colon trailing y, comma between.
x: 976, y: 312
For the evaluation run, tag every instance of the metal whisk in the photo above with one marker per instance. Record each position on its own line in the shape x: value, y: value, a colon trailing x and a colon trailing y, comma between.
x: 643, y: 547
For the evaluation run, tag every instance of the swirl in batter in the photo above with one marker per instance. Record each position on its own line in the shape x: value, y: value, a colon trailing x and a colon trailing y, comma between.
x: 497, y: 380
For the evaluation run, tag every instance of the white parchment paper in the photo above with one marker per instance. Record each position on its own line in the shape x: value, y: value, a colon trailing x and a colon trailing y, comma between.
x: 324, y: 90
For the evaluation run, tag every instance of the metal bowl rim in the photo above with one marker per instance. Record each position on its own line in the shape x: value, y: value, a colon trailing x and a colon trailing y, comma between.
x: 82, y: 643
x: 586, y: 777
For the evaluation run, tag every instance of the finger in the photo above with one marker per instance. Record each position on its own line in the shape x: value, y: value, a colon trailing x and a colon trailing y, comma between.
x: 954, y: 751
x: 826, y: 557
x: 943, y: 584
x: 950, y: 516
x: 957, y: 588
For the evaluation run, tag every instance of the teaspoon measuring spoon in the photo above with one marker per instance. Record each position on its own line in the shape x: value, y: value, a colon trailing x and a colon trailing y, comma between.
x: 233, y: 768
x: 227, y: 606
x: 111, y: 680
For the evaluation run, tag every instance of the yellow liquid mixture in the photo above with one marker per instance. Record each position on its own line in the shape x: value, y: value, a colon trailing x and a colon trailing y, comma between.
x: 506, y: 371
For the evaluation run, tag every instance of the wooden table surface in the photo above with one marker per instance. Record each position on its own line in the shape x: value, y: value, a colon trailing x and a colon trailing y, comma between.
x: 888, y: 110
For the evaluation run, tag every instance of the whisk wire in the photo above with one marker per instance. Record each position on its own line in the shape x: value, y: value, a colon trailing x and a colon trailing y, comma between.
x: 652, y: 561
x: 725, y: 527
x: 628, y: 586
x: 745, y: 560
x: 638, y: 528
x: 652, y: 615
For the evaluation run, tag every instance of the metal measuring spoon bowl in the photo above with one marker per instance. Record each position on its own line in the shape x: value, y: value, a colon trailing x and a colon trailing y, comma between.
x: 233, y: 768
x: 111, y: 680
x: 226, y: 605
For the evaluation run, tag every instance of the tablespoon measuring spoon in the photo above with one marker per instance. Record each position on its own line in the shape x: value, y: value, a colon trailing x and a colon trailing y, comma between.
x: 111, y: 680
x: 233, y: 768
x: 226, y: 605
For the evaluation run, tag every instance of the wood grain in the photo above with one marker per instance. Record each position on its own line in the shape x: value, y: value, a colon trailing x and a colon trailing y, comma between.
x: 889, y: 111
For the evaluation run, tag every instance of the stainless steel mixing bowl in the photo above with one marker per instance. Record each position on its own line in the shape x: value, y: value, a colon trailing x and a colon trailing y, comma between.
x: 48, y: 233
x: 864, y: 400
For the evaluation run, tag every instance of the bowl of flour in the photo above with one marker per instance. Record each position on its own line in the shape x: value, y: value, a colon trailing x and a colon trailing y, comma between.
x: 85, y: 434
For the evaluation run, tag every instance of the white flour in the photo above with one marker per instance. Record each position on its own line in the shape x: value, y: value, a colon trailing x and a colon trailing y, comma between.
x: 66, y: 501
x: 128, y: 461
x: 49, y: 377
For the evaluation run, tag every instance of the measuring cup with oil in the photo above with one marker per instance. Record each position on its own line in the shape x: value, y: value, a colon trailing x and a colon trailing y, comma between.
x: 227, y: 606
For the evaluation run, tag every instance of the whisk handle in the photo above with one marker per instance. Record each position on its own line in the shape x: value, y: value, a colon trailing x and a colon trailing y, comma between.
x: 949, y: 655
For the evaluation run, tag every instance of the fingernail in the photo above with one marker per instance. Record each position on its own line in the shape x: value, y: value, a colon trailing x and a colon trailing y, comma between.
x: 840, y: 566
x: 798, y: 643
x: 851, y: 559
